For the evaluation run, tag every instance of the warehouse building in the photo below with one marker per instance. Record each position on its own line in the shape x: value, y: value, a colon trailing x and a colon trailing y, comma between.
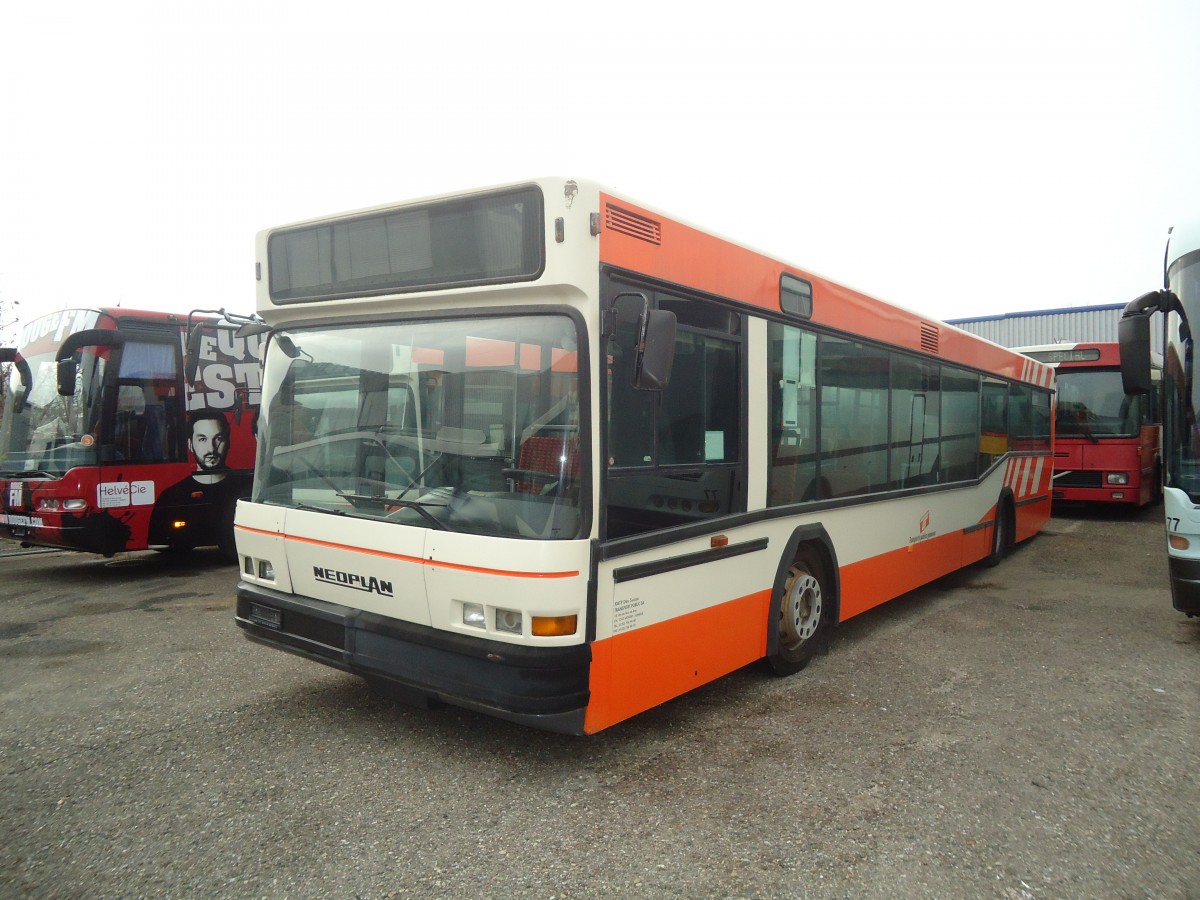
x: 1070, y: 325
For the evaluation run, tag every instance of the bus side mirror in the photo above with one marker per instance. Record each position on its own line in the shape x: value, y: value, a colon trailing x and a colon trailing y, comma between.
x: 656, y: 352
x: 67, y: 370
x: 10, y: 355
x: 654, y: 339
x: 1133, y: 337
x: 68, y: 366
x: 193, y: 353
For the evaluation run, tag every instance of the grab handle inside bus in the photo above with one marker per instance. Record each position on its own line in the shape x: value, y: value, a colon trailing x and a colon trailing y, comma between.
x: 68, y: 364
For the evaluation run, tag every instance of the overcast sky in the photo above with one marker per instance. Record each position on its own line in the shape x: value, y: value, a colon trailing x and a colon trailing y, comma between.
x: 956, y: 158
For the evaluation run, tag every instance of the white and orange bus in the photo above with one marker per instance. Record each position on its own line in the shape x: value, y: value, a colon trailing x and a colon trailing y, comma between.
x: 545, y: 452
x: 1107, y: 445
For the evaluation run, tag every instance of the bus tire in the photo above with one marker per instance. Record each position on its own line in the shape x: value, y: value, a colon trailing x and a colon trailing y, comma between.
x: 805, y: 610
x: 1002, y: 538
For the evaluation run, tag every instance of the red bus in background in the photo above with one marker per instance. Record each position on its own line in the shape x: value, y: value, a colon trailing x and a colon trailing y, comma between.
x: 1107, y: 446
x: 107, y: 445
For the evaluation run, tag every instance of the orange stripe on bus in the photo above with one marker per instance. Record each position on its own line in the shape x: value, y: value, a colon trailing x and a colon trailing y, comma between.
x: 636, y: 670
x: 458, y: 567
x: 873, y: 581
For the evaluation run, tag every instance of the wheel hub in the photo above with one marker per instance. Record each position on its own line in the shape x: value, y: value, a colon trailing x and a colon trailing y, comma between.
x: 801, y: 609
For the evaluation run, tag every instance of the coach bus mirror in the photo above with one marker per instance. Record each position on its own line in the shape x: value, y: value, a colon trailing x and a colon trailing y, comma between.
x: 10, y: 355
x: 1133, y: 333
x: 656, y: 350
x: 67, y: 370
x: 68, y: 362
x: 193, y: 352
x: 1133, y: 336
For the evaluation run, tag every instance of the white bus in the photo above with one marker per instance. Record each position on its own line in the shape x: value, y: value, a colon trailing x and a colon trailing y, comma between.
x: 545, y: 452
x: 1179, y: 392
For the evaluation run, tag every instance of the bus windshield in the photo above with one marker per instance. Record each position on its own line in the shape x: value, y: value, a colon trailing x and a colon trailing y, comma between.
x: 1092, y: 404
x: 464, y: 425
x: 43, y: 432
x: 1181, y: 437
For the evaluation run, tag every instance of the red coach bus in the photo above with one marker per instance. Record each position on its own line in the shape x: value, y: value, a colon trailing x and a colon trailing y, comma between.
x: 107, y: 446
x: 1107, y: 446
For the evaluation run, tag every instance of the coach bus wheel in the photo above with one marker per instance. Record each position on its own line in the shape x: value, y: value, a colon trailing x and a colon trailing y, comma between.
x: 804, y: 614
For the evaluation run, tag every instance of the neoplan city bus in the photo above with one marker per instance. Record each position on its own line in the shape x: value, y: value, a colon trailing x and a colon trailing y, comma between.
x: 127, y: 430
x: 1106, y: 443
x: 545, y: 452
x: 1179, y: 393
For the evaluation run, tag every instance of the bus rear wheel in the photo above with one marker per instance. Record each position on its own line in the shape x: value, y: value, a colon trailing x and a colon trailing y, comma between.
x: 804, y: 615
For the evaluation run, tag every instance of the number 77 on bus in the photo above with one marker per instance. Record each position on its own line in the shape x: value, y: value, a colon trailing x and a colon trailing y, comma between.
x: 545, y: 452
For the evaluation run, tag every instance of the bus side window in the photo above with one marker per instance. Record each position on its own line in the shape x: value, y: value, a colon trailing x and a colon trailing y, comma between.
x: 674, y: 455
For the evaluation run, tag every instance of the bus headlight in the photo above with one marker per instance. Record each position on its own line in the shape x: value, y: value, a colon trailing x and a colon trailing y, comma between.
x: 473, y: 615
x: 508, y: 620
x: 54, y: 504
x: 1117, y: 478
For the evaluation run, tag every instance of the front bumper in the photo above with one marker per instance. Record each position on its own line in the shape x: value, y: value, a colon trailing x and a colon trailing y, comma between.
x: 544, y: 687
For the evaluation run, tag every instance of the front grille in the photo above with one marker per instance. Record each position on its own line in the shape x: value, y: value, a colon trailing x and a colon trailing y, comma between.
x: 1080, y: 478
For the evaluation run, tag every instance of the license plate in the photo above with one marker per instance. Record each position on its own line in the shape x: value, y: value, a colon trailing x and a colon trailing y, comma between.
x: 267, y: 616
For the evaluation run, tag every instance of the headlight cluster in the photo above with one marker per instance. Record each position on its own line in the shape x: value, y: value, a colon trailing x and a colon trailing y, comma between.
x: 57, y: 504
x: 512, y: 621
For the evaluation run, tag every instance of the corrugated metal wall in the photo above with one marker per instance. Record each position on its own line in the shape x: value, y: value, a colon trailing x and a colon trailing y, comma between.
x: 1052, y: 326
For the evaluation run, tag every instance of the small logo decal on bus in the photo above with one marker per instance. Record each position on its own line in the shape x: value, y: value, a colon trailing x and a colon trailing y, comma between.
x: 924, y: 533
x: 367, y: 583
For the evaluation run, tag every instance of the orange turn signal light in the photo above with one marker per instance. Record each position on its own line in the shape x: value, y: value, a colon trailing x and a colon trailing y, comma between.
x: 554, y: 626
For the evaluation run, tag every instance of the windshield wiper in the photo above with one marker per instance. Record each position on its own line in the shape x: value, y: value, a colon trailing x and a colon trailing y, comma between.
x: 321, y: 509
x: 29, y: 473
x: 401, y: 503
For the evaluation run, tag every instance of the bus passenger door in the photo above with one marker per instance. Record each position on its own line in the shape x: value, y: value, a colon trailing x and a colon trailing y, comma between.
x: 676, y: 606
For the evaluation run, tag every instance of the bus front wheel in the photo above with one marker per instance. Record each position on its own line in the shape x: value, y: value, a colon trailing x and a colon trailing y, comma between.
x: 1002, y: 535
x: 804, y: 612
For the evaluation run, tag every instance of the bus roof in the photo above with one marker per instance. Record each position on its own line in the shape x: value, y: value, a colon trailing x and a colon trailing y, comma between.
x: 643, y: 240
x: 1184, y: 239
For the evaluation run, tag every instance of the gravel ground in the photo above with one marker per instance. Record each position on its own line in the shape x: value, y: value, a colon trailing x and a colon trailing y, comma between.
x: 1029, y: 731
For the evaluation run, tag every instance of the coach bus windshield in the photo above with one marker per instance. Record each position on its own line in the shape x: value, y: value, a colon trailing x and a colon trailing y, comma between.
x: 45, y: 434
x: 465, y: 425
x: 1181, y: 423
x: 1092, y: 404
